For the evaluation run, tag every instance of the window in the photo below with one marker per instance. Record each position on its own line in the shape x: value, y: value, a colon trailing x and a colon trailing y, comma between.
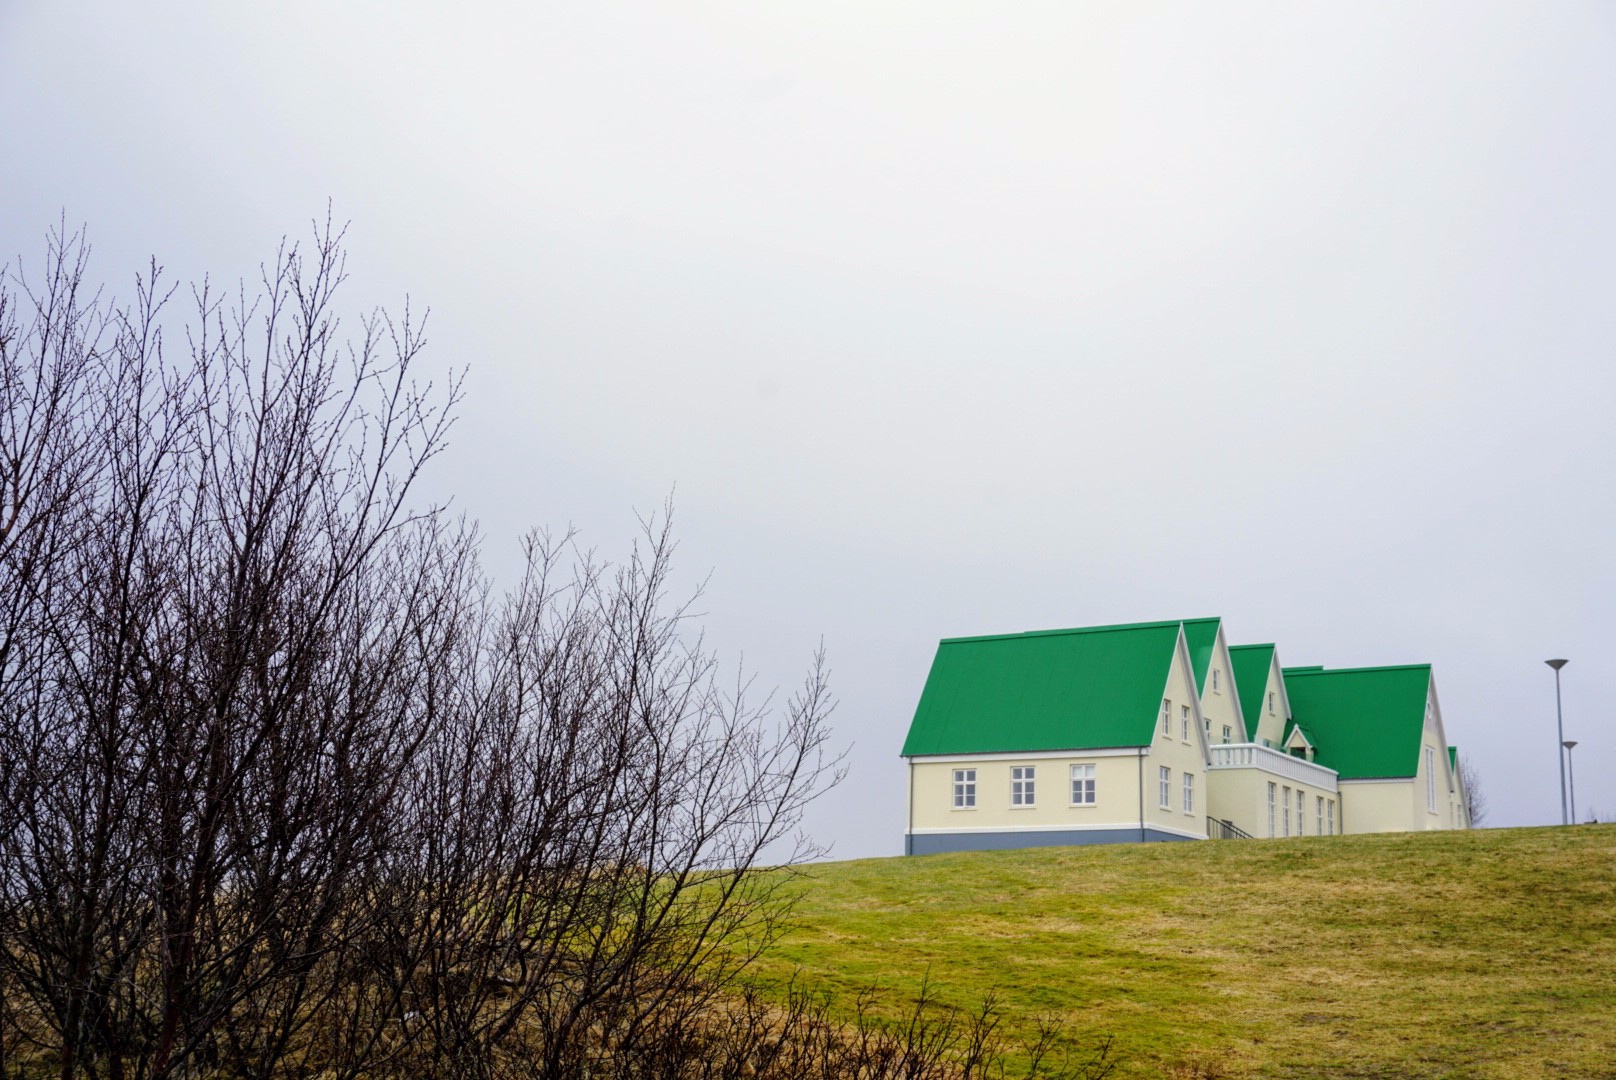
x: 1287, y: 808
x: 1189, y: 793
x: 1164, y: 787
x: 1271, y: 705
x: 1021, y: 785
x: 1272, y: 788
x: 1301, y: 811
x: 1320, y: 829
x: 1184, y: 722
x: 1329, y: 815
x: 965, y: 789
x: 1227, y: 732
x: 1430, y: 779
x: 1167, y: 717
x: 1214, y: 680
x: 1082, y: 785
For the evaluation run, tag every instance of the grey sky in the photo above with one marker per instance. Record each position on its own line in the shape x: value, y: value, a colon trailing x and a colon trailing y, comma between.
x: 951, y: 318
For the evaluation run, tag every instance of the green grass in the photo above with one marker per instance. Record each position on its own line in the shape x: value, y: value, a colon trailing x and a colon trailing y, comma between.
x: 1481, y: 954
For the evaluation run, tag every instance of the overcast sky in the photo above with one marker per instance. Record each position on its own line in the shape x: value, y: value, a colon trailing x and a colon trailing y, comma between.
x: 950, y: 318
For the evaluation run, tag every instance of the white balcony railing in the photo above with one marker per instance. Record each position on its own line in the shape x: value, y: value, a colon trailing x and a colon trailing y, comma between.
x: 1277, y: 762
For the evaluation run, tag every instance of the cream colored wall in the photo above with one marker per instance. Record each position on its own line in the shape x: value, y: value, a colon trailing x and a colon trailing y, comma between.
x: 1456, y: 801
x: 1220, y: 707
x: 1443, y: 817
x: 1380, y: 805
x: 1179, y: 755
x: 1116, y: 794
x: 1269, y: 723
x: 1241, y: 796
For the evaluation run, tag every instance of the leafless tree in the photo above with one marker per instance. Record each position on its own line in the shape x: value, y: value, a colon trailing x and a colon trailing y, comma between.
x: 1475, y: 796
x: 218, y: 611
x: 285, y: 784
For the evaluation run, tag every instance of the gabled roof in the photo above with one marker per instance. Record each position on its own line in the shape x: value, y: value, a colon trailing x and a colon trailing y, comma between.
x: 1201, y: 635
x: 1084, y: 688
x: 1251, y: 664
x: 1364, y: 722
x: 1453, y: 759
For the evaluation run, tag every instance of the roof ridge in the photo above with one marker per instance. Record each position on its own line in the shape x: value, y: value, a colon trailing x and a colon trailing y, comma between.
x: 1068, y: 630
x: 1321, y: 670
x: 1257, y: 645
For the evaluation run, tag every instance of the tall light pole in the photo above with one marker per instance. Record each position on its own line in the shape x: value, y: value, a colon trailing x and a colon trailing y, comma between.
x: 1559, y: 723
x: 1571, y: 771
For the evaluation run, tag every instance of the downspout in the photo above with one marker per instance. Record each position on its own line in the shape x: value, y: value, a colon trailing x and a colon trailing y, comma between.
x: 909, y: 833
x: 1141, y: 794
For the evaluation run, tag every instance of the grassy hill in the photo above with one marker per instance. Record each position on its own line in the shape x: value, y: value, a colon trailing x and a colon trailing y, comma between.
x: 1485, y: 954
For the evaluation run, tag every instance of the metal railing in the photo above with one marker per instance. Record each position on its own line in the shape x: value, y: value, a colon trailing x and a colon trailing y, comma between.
x: 1220, y: 829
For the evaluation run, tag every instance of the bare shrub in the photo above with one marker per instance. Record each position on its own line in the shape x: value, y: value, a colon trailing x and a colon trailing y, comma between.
x: 288, y: 787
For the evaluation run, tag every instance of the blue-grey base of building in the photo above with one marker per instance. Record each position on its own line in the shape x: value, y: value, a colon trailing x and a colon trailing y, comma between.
x: 937, y: 843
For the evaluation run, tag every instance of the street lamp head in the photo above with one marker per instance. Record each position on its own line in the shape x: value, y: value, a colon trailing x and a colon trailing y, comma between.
x: 1557, y: 664
x: 1569, y: 744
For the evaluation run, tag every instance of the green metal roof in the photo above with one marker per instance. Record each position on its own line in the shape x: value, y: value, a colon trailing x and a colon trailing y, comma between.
x: 1201, y: 635
x: 1083, y: 688
x: 1453, y: 758
x: 1363, y: 722
x: 1251, y: 666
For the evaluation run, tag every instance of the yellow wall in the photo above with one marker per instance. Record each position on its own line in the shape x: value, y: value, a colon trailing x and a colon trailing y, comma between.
x: 1240, y: 795
x: 1220, y: 707
x: 1269, y: 723
x: 1178, y: 755
x: 1116, y: 794
x: 1379, y: 805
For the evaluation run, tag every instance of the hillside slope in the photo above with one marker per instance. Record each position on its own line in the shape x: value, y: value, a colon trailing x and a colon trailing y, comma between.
x: 1486, y: 954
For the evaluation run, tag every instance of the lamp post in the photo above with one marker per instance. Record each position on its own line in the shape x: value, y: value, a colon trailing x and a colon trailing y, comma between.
x: 1559, y: 723
x: 1571, y: 771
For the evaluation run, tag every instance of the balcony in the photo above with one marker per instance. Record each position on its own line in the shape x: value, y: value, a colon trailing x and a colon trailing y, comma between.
x: 1275, y: 762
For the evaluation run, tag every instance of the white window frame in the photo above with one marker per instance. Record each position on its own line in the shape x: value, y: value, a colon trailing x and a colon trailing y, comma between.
x: 1321, y: 816
x: 1273, y: 798
x: 1228, y: 733
x: 1329, y: 810
x: 1167, y: 718
x: 1184, y: 722
x: 1083, y: 783
x: 1215, y: 680
x: 1023, y: 786
x: 1285, y: 816
x: 1164, y: 787
x: 1271, y: 703
x: 1301, y: 812
x: 965, y: 789
x: 1189, y: 793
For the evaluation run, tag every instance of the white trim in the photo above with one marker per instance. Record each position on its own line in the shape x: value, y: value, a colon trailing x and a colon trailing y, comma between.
x: 1274, y: 762
x: 1030, y: 755
x: 1380, y: 780
x: 1181, y: 655
x: 1233, y: 687
x: 1131, y: 826
x: 1284, y: 695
